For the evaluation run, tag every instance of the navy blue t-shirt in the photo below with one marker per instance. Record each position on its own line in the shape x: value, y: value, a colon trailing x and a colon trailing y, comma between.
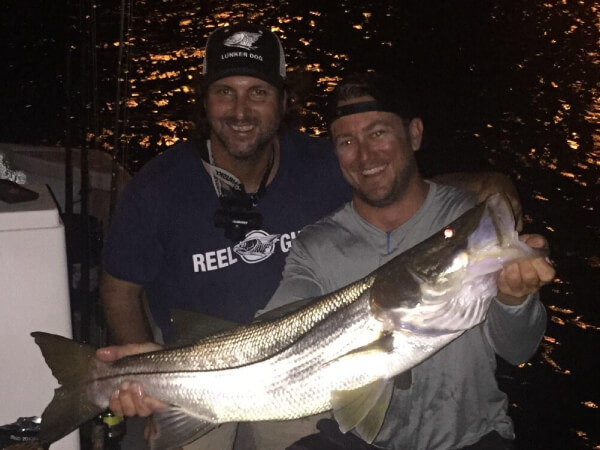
x: 163, y: 235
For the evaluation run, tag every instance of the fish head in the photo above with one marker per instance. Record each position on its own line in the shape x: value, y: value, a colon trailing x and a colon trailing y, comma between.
x: 445, y: 283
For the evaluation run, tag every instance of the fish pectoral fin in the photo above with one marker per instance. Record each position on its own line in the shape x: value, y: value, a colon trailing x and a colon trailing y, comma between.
x: 369, y: 427
x: 176, y: 427
x: 363, y: 408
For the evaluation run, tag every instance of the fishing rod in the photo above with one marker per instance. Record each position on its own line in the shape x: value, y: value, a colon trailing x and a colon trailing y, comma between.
x: 120, y: 123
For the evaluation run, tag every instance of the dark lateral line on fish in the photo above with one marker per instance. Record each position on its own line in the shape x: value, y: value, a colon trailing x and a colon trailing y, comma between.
x: 134, y: 374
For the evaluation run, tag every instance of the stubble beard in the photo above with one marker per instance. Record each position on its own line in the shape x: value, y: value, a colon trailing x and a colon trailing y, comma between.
x: 253, y: 149
x: 397, y: 190
x: 248, y: 152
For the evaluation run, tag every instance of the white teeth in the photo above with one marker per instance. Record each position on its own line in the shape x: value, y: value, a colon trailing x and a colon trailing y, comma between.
x: 241, y: 128
x: 373, y: 170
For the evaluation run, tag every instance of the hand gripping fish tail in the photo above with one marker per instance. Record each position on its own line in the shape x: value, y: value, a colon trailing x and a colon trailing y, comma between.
x: 340, y: 352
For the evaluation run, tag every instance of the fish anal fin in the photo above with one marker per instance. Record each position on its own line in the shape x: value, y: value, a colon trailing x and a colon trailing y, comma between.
x: 372, y: 351
x: 363, y: 408
x: 176, y: 427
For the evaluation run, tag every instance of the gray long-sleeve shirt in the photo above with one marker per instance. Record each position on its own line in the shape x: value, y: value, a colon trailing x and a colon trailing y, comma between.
x: 454, y: 399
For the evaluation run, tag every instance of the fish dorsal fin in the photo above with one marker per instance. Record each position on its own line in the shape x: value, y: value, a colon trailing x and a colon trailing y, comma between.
x: 363, y: 408
x: 281, y: 311
x: 176, y: 427
x: 191, y: 326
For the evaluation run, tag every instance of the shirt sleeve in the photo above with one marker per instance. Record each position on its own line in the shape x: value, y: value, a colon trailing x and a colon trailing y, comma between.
x: 515, y: 332
x: 133, y: 251
x: 299, y: 280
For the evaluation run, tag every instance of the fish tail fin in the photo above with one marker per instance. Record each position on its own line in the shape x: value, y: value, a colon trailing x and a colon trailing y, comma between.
x: 71, y: 406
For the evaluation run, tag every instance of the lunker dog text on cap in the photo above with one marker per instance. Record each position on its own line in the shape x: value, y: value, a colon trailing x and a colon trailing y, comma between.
x: 244, y: 49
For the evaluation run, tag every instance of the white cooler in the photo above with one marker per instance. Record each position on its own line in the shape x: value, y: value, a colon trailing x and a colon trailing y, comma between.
x: 34, y: 296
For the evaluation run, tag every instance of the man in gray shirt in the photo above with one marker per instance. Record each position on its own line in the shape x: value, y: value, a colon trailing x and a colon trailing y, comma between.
x: 453, y: 400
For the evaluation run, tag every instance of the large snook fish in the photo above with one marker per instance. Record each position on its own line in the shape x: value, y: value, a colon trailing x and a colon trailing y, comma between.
x: 340, y: 351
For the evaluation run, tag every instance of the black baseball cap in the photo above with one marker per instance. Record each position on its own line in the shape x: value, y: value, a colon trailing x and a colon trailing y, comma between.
x: 388, y: 92
x: 244, y: 49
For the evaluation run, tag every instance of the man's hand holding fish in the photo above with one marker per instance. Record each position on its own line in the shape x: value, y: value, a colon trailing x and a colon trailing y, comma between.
x: 130, y: 399
x: 523, y: 278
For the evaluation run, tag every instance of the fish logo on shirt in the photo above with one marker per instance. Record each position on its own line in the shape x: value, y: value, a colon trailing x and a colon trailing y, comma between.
x: 257, y: 246
x: 242, y: 39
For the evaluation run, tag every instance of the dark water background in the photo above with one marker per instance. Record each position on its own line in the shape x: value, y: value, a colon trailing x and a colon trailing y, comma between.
x: 512, y: 86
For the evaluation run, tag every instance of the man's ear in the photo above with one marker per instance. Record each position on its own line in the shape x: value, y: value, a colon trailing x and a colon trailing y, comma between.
x: 415, y: 133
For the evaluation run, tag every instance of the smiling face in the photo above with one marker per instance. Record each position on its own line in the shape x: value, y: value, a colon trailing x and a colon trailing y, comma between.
x: 244, y: 114
x: 375, y: 152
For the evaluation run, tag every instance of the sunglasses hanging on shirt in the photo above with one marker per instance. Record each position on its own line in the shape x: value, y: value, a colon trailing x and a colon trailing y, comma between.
x: 237, y: 213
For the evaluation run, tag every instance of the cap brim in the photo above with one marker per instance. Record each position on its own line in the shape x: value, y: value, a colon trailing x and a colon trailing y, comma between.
x: 276, y: 80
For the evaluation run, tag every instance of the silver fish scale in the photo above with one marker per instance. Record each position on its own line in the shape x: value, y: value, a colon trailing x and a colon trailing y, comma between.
x: 294, y: 383
x: 242, y: 345
x: 175, y: 375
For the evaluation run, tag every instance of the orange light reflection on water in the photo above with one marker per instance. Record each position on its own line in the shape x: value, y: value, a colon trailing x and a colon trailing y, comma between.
x: 189, y: 62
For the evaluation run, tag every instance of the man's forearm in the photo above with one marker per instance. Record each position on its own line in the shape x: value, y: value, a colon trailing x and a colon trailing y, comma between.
x: 124, y: 311
x: 515, y: 331
x: 127, y: 324
x: 484, y: 184
x: 463, y: 180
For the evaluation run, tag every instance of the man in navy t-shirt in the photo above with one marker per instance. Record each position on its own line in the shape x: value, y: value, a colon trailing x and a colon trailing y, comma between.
x: 206, y: 225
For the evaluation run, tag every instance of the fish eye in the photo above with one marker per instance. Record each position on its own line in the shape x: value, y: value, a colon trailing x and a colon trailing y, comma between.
x: 449, y: 233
